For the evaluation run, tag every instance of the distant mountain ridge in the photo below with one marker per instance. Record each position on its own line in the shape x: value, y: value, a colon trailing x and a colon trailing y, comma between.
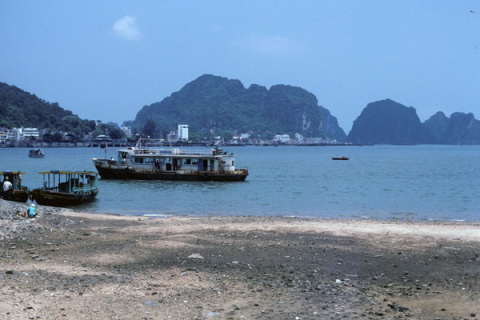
x: 213, y: 103
x: 389, y: 122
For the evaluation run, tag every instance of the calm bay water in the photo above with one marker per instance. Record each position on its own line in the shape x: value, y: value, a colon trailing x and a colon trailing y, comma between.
x: 380, y: 182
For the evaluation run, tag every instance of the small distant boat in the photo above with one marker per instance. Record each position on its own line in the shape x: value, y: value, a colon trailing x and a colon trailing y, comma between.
x: 17, y: 192
x: 36, y: 153
x: 66, y: 188
x: 340, y: 158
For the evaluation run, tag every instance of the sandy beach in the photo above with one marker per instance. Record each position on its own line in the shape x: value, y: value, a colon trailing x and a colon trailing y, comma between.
x: 73, y: 265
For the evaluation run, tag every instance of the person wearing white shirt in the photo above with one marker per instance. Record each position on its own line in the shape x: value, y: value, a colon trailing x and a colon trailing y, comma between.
x: 7, y: 185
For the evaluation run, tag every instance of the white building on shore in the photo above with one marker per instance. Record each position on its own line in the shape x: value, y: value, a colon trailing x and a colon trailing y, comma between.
x: 30, y: 133
x: 172, y: 136
x: 127, y: 130
x: 182, y: 132
x: 283, y: 138
x: 19, y: 134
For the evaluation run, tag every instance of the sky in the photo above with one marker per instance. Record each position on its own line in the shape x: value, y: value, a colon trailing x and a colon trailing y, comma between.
x: 105, y: 60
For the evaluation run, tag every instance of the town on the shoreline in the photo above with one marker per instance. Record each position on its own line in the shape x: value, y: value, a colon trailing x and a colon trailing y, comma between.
x: 43, y: 138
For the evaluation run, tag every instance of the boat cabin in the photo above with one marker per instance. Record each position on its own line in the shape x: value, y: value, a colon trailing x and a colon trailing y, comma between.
x: 175, y: 160
x: 15, y: 178
x: 69, y: 181
x: 17, y: 192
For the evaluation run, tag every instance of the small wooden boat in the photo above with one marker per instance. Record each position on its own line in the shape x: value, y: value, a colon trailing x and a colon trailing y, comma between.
x: 36, y: 153
x: 66, y: 188
x: 340, y: 158
x: 17, y: 192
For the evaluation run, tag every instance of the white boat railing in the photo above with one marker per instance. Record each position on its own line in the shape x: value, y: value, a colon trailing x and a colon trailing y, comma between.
x: 154, y: 146
x: 84, y: 189
x: 178, y: 151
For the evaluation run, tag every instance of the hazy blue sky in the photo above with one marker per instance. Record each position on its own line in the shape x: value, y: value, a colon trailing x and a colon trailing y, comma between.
x: 105, y: 60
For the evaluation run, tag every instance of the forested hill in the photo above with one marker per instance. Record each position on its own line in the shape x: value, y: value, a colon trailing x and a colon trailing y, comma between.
x: 19, y: 108
x: 216, y: 104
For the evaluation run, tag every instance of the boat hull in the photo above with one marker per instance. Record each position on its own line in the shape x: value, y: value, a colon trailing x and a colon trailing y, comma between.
x: 126, y: 174
x: 62, y: 199
x: 17, y: 195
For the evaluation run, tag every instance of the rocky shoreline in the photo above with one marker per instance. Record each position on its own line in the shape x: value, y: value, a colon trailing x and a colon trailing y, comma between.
x: 71, y: 265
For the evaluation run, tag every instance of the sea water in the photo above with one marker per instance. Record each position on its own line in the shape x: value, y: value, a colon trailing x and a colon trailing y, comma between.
x: 378, y: 182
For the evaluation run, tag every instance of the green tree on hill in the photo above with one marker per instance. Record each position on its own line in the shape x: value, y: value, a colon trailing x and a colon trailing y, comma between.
x: 19, y: 108
x: 150, y: 129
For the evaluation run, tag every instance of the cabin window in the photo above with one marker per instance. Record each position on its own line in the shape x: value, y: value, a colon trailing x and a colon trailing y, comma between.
x: 138, y: 160
x: 233, y: 163
x: 194, y: 161
x: 187, y: 161
x: 148, y: 160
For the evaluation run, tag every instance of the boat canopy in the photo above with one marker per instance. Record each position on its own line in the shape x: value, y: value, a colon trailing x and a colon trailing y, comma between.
x: 68, y: 172
x: 8, y: 173
x: 73, y: 181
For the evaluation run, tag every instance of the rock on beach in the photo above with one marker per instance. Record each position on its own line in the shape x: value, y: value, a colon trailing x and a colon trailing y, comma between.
x: 11, y: 222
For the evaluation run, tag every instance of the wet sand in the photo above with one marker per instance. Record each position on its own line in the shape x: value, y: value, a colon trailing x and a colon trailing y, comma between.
x: 71, y: 265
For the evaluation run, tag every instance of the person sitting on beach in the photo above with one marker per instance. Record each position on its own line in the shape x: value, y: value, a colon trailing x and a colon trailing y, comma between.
x: 30, y: 213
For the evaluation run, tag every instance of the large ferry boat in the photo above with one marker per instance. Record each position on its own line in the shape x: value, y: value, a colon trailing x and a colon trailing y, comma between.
x: 149, y: 161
